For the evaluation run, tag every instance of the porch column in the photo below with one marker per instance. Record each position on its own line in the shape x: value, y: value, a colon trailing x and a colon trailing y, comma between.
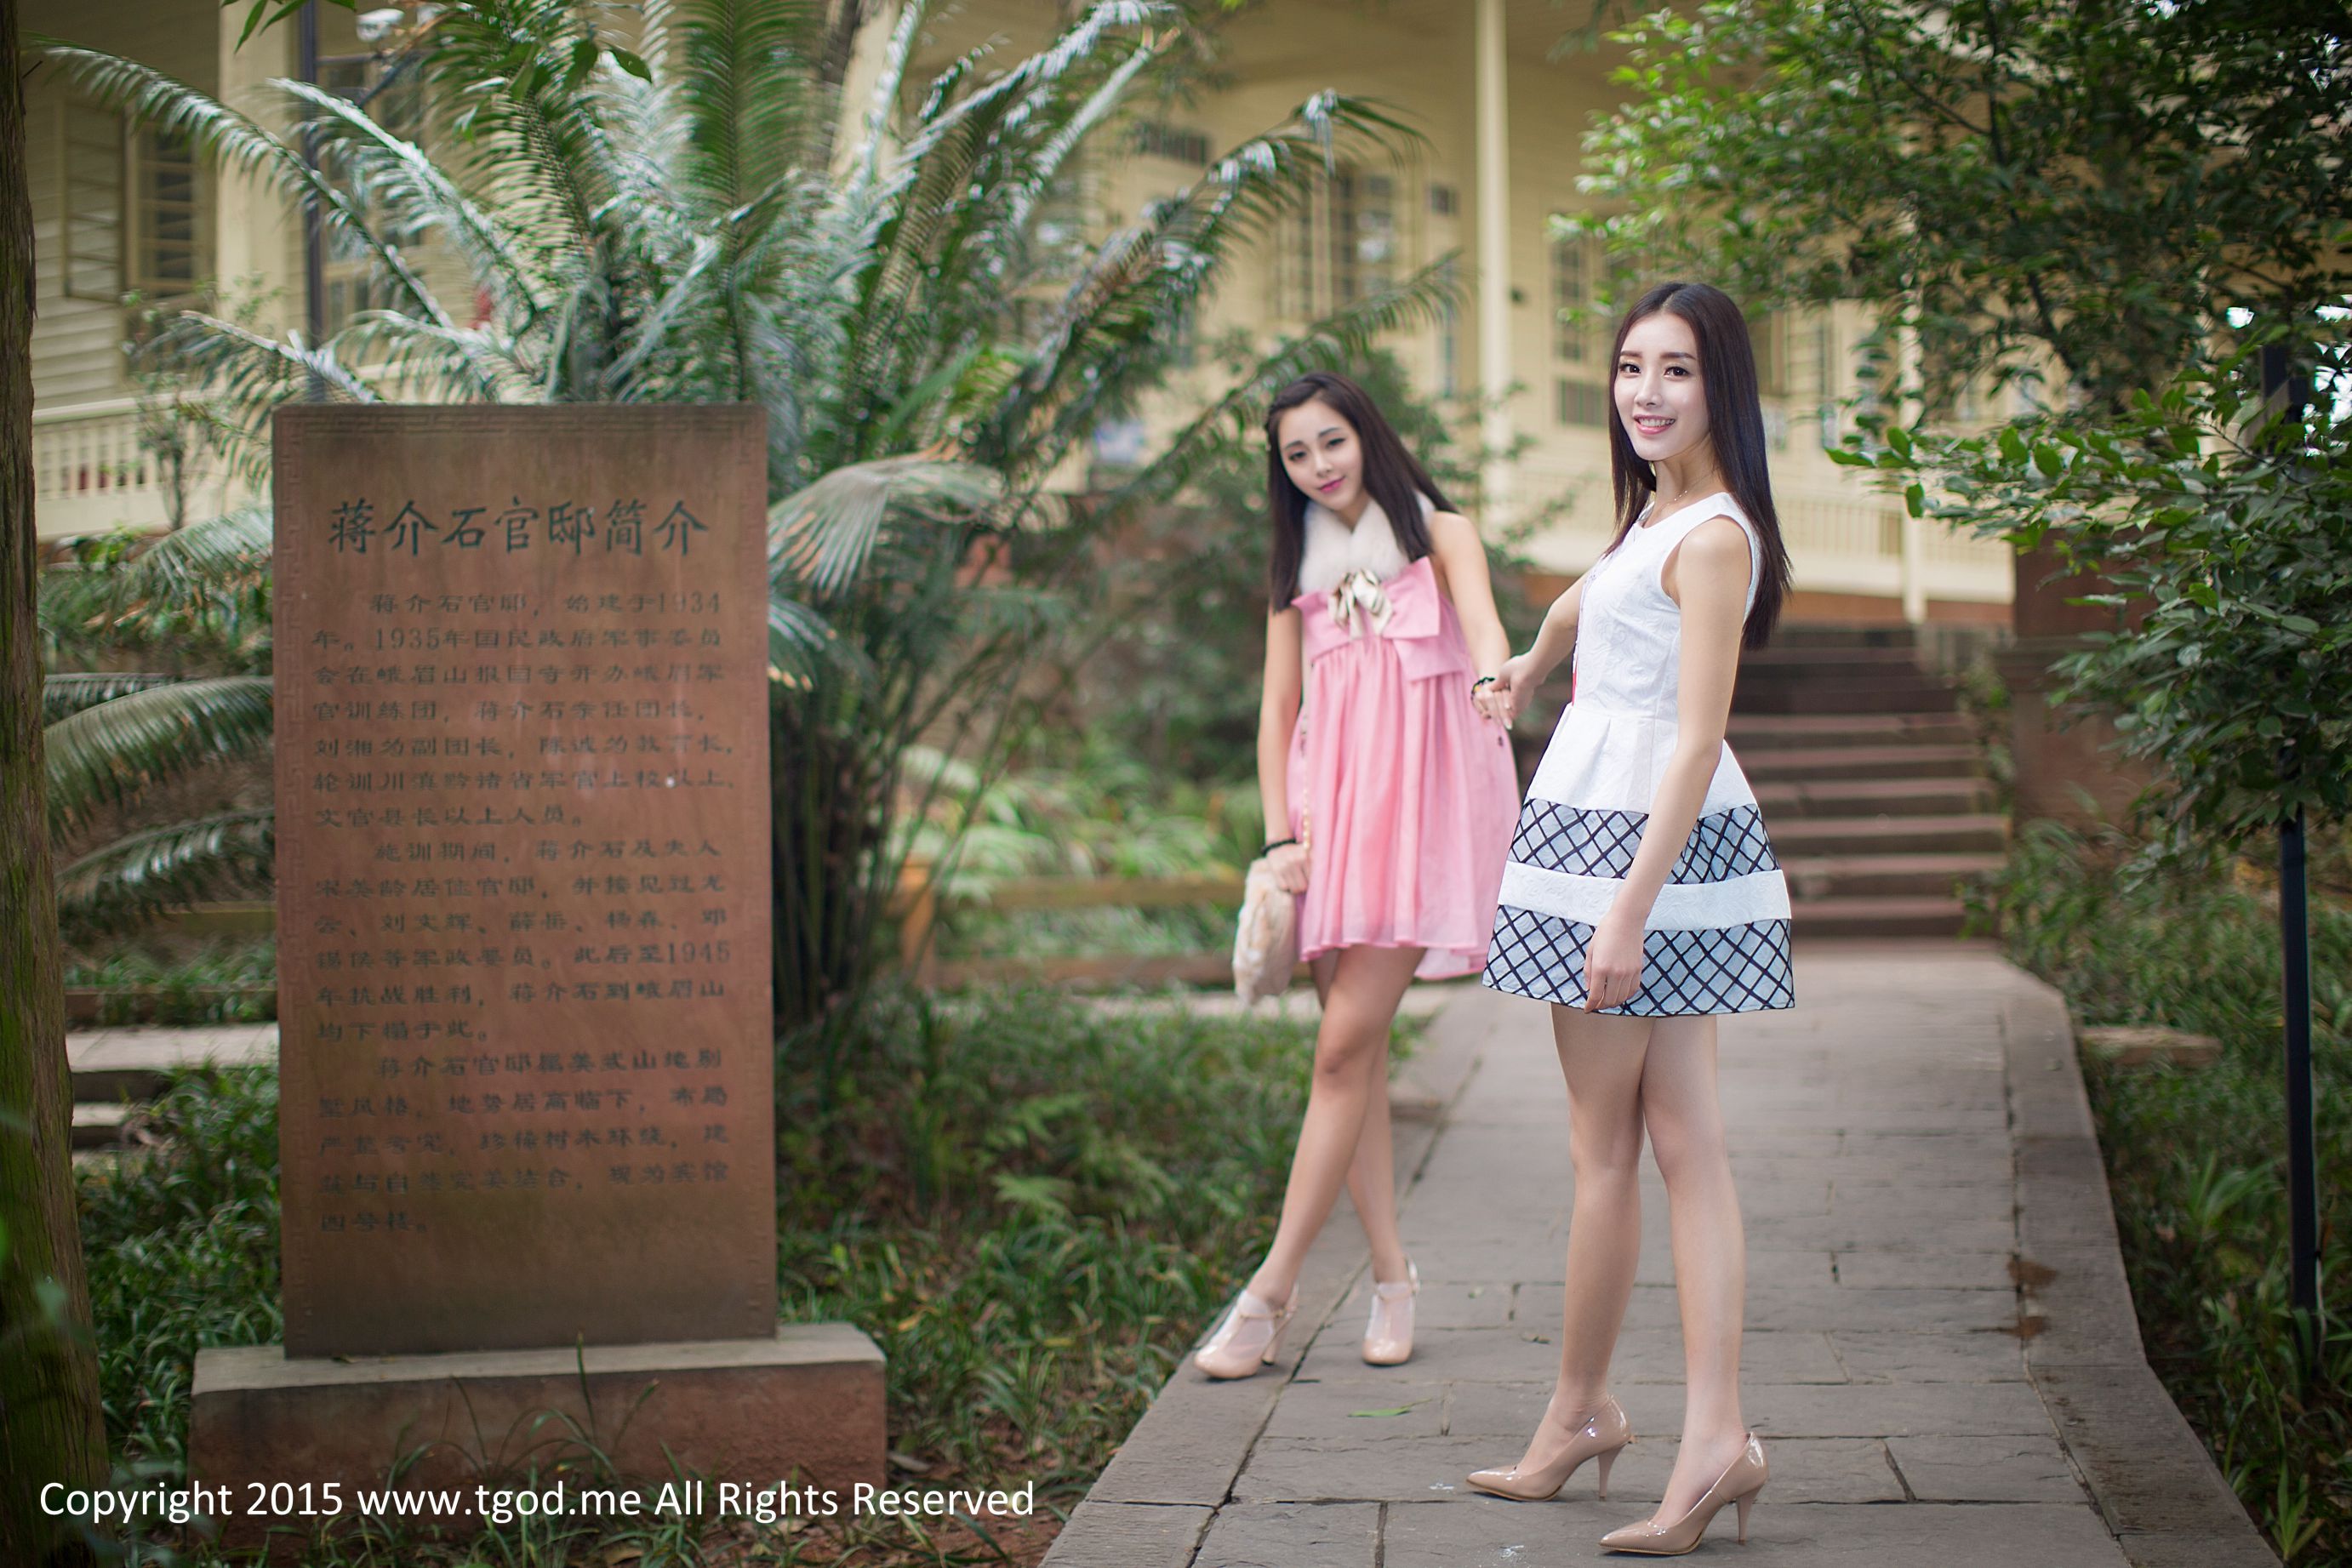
x: 1493, y: 150
x: 256, y: 238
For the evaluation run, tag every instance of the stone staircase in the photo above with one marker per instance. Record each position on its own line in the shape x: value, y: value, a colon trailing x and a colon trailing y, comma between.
x: 1870, y: 779
x: 117, y: 1069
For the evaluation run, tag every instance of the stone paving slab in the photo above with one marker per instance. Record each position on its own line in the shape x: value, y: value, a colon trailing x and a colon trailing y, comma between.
x: 1941, y: 1351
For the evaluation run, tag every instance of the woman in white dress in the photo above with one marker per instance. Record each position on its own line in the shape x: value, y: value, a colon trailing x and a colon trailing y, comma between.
x: 1642, y: 898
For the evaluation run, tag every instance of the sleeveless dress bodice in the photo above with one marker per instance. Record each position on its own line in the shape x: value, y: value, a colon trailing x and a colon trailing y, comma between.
x: 1716, y: 939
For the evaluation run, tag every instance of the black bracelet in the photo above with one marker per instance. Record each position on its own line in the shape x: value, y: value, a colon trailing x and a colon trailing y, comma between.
x: 1482, y: 680
x: 1277, y: 843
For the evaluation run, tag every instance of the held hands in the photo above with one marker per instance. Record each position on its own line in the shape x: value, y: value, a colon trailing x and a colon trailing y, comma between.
x: 1612, y: 963
x: 1501, y: 698
x: 1288, y: 865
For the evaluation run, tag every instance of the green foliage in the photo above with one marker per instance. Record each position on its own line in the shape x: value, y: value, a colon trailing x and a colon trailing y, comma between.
x: 181, y: 1245
x: 2196, y: 1157
x: 1032, y: 1204
x: 2037, y: 189
x: 192, y: 606
x: 925, y: 358
x: 2229, y: 536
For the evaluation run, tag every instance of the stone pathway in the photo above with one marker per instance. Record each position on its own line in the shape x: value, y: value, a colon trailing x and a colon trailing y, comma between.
x: 1902, y: 1141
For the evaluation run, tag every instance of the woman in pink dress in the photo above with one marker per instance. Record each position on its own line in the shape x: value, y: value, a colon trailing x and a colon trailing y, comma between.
x: 1401, y: 798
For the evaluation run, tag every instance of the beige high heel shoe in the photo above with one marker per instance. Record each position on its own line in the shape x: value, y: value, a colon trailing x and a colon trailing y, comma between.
x: 1388, y: 1332
x: 1249, y: 1338
x: 1740, y: 1484
x: 1603, y: 1435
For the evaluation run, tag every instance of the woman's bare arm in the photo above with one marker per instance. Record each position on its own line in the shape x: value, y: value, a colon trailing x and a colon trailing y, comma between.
x: 1462, y: 570
x: 1278, y: 720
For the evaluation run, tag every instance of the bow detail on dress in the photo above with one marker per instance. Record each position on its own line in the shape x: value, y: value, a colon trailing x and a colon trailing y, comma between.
x: 1360, y: 589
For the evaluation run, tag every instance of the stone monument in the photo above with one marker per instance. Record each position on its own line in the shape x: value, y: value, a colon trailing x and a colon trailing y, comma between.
x: 526, y: 1124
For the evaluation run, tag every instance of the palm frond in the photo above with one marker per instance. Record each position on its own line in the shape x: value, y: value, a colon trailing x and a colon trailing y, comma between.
x: 235, y: 141
x: 825, y: 533
x: 744, y: 76
x: 70, y: 694
x: 256, y: 372
x: 134, y: 879
x: 211, y: 562
x: 108, y: 754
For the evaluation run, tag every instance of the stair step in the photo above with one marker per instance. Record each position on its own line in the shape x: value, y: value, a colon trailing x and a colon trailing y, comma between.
x: 1783, y: 798
x: 1973, y: 833
x: 134, y: 1063
x: 1861, y: 762
x: 99, y: 1126
x: 1812, y: 878
x: 1784, y: 656
x: 1807, y: 698
x: 1820, y: 731
x: 1800, y: 634
x: 1879, y: 916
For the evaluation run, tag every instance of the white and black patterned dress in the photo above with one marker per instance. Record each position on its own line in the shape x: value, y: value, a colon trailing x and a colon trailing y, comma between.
x: 1717, y: 937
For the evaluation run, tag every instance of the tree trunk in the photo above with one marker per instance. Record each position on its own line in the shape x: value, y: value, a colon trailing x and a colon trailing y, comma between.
x: 50, y: 1425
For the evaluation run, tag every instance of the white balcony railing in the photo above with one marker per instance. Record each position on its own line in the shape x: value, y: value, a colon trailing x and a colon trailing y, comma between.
x: 91, y: 473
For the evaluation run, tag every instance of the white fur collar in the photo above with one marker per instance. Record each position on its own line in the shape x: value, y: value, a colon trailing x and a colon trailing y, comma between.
x: 1333, y: 549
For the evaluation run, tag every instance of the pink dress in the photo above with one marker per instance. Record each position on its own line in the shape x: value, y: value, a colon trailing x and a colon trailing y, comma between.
x: 1405, y: 796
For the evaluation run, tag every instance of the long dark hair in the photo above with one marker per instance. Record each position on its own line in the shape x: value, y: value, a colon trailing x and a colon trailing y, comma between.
x: 1734, y: 420
x: 1393, y: 477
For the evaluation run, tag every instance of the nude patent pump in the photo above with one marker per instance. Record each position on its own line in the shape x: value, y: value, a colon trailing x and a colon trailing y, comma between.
x: 1740, y: 1484
x: 1388, y: 1332
x: 1603, y: 1435
x: 1249, y: 1338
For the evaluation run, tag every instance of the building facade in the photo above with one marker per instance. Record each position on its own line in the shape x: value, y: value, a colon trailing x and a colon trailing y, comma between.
x: 1502, y: 107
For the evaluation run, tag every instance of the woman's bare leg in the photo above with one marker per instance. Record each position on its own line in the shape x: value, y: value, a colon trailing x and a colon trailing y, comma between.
x: 1601, y: 1056
x: 1684, y: 1117
x: 1358, y: 1004
x: 1372, y: 1176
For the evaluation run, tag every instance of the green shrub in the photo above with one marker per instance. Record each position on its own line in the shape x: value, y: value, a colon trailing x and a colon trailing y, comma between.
x: 2196, y: 1157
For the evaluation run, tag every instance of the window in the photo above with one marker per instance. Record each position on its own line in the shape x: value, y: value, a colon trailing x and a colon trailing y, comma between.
x: 1581, y: 402
x: 164, y: 241
x: 1828, y: 385
x: 1363, y: 235
x: 91, y: 180
x: 1342, y: 249
x: 1571, y: 291
x: 132, y: 217
x: 1444, y: 200
x: 1449, y: 334
x: 1155, y: 140
x: 1767, y: 335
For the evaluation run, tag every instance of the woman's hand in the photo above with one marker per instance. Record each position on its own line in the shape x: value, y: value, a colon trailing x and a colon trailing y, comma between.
x: 1502, y: 698
x: 1288, y: 865
x: 1612, y: 963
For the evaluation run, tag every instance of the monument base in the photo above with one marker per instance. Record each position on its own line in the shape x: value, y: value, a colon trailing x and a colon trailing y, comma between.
x: 804, y: 1408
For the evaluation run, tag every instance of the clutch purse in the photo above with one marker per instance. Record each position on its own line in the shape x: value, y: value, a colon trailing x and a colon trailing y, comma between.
x: 1265, y: 939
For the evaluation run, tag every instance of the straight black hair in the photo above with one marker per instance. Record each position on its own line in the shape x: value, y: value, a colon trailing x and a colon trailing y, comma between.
x: 1735, y: 421
x: 1393, y: 477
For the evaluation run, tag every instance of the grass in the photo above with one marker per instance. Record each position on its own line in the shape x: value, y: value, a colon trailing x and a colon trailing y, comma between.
x: 979, y: 932
x: 1032, y: 1204
x: 2196, y: 1158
